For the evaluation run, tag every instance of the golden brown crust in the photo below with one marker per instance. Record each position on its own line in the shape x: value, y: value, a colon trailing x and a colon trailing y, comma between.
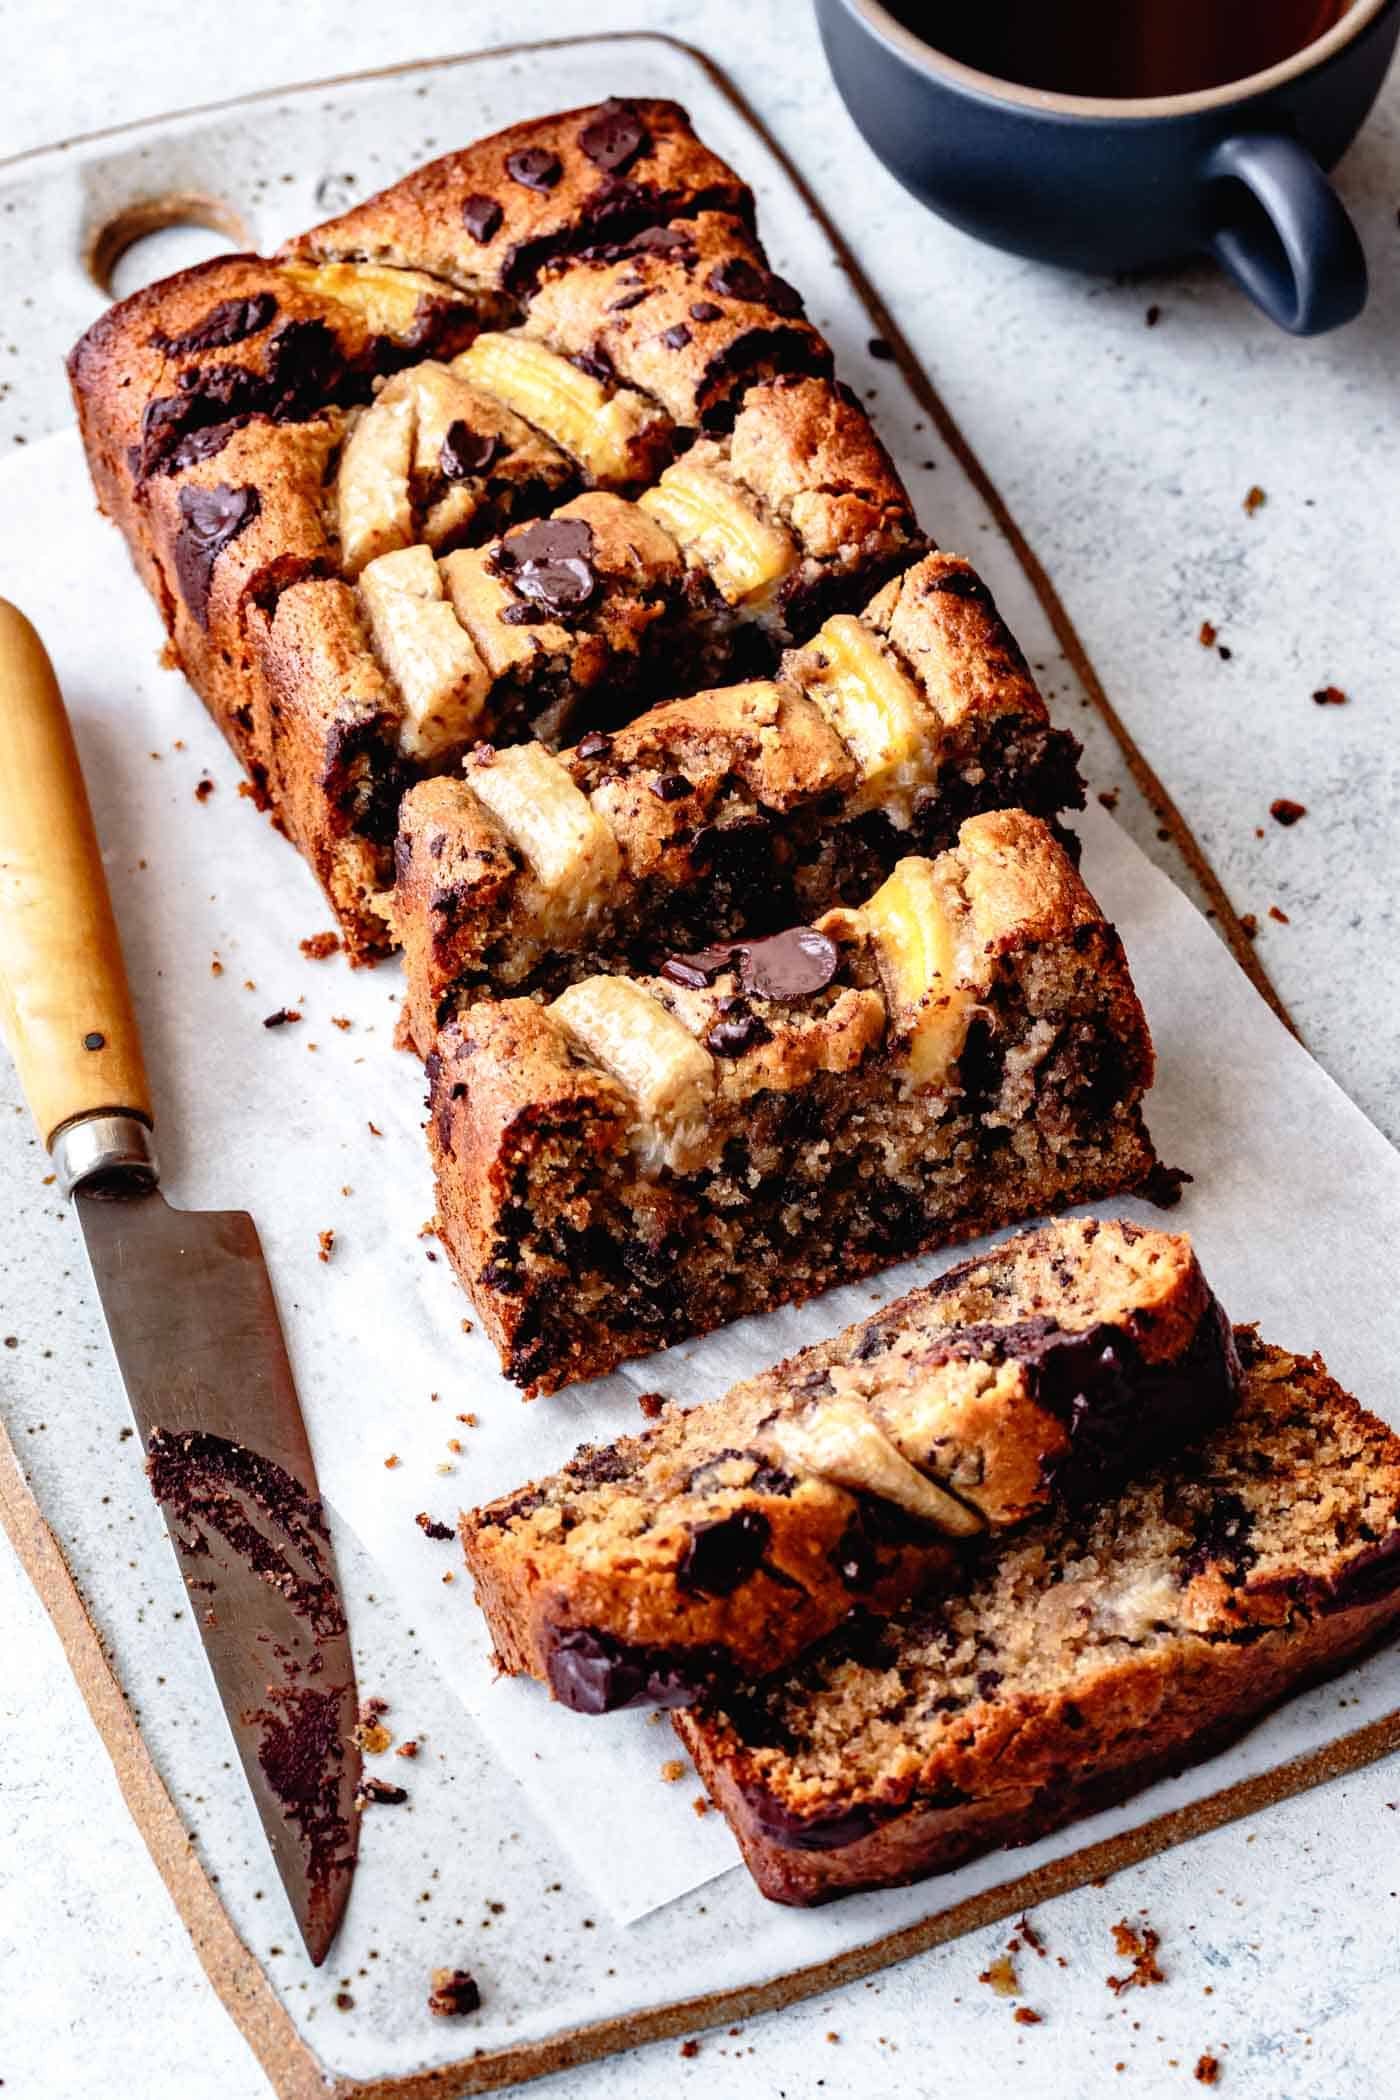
x: 426, y: 220
x: 1213, y: 1593
x: 807, y: 447
x: 689, y: 314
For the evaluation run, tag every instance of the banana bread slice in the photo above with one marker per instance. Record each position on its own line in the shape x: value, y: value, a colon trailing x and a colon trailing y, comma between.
x: 739, y: 810
x: 1107, y: 1646
x: 720, y: 1544
x: 646, y: 1158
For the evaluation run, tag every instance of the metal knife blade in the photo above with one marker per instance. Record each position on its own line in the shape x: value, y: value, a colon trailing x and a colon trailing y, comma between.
x: 194, y: 1325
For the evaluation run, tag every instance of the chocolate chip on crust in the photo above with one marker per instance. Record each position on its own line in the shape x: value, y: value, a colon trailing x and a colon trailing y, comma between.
x: 210, y: 519
x: 231, y: 321
x: 534, y: 167
x: 614, y: 138
x: 737, y: 278
x: 482, y: 216
x: 721, y: 1555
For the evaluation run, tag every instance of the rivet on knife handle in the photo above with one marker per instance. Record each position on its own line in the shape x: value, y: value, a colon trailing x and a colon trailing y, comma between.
x: 65, y: 1009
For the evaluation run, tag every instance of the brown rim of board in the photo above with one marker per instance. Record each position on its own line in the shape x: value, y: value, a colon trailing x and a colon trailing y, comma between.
x: 108, y: 243
x: 237, y: 1977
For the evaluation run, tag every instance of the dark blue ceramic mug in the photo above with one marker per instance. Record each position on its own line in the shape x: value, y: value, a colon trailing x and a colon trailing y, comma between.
x: 1100, y: 185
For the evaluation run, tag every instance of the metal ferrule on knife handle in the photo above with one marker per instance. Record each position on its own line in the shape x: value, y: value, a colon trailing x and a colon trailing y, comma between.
x: 65, y: 1009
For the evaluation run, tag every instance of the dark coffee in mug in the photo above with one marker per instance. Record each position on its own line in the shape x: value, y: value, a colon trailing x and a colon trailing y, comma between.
x: 1120, y: 49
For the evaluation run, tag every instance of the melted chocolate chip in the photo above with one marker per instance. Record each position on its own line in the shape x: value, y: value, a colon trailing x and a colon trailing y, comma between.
x: 466, y: 452
x: 737, y: 1032
x: 960, y: 583
x: 534, y: 168
x: 210, y: 519
x: 671, y: 787
x: 705, y: 310
x: 482, y: 216
x: 788, y: 965
x: 721, y: 1555
x: 614, y: 138
x: 596, y: 363
x: 305, y: 372
x: 628, y: 300
x: 676, y: 338
x: 820, y: 1833
x: 737, y: 278
x: 550, y: 564
x: 594, y: 745
x: 592, y: 1672
x: 231, y: 321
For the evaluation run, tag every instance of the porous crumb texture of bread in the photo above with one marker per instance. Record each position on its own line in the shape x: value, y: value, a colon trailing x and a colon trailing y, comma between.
x: 742, y: 809
x: 1105, y: 1646
x: 731, y: 1536
x: 646, y: 1159
x: 571, y: 323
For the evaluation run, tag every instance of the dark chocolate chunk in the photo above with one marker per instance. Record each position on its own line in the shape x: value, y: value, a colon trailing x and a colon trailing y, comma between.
x: 737, y: 278
x: 676, y: 338
x: 721, y: 1555
x: 305, y: 372
x: 701, y: 967
x: 596, y: 363
x: 466, y: 452
x: 961, y: 583
x: 231, y: 321
x: 671, y: 787
x: 550, y: 564
x: 705, y: 310
x: 789, y: 965
x: 210, y: 519
x: 880, y: 349
x: 593, y: 1673
x: 534, y: 168
x: 737, y: 1031
x: 614, y: 138
x: 628, y: 300
x: 1220, y: 1539
x: 482, y: 216
x: 819, y: 1833
x: 594, y: 745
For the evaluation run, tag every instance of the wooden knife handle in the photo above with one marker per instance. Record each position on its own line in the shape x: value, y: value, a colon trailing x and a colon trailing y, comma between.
x: 65, y: 1009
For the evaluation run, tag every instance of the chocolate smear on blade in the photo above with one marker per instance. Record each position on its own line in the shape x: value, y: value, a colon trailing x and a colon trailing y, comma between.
x: 210, y: 518
x: 550, y: 565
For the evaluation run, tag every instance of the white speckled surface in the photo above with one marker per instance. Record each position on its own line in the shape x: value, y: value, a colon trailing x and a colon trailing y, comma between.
x: 1125, y: 453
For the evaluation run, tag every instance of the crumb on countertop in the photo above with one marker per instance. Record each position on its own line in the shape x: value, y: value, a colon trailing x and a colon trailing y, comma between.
x: 1330, y: 696
x: 454, y: 1992
x: 326, y: 1244
x: 1138, y: 1945
x: 1255, y: 499
x: 1001, y: 1975
x: 203, y: 789
x: 1285, y: 811
x: 283, y: 1017
x: 651, y: 1404
x: 673, y: 1769
x: 1207, y: 2071
x: 431, y: 1528
x: 1024, y: 2017
x: 1207, y: 635
x: 318, y: 946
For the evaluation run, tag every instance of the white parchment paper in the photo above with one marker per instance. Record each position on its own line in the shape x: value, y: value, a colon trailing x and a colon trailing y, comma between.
x: 313, y: 1126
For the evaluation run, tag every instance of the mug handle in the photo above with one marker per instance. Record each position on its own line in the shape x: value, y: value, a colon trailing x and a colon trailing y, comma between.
x: 1294, y: 251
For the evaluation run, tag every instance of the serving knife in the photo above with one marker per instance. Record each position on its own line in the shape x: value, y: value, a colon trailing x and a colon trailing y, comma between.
x: 190, y: 1310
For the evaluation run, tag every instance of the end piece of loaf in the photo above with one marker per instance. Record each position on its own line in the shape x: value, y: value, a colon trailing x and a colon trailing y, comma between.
x: 1104, y: 1648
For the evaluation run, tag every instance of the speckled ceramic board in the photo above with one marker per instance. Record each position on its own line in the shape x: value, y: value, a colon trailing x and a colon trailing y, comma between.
x: 465, y: 1873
